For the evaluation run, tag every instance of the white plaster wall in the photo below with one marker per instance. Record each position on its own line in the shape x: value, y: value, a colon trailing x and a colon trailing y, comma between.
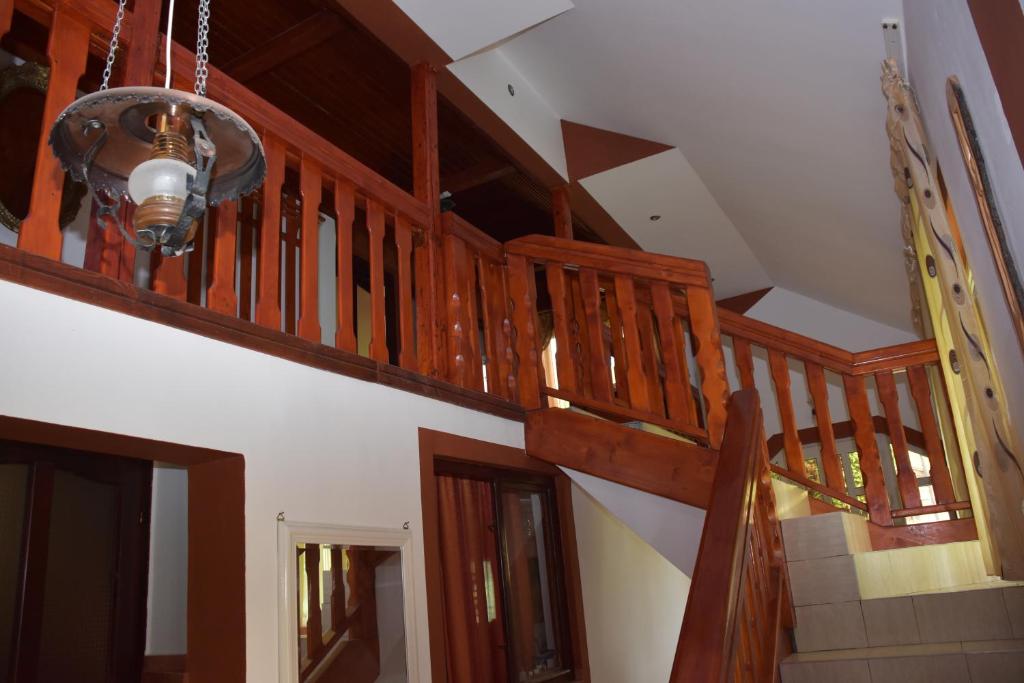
x: 941, y: 42
x: 633, y: 598
x: 671, y: 528
x: 488, y: 75
x: 319, y: 447
x: 166, y: 608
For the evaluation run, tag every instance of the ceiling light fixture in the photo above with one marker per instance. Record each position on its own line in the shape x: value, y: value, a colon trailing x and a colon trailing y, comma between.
x: 171, y: 153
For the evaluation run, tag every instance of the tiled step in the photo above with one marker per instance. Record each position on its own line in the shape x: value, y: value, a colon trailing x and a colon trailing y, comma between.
x: 980, y: 615
x: 1000, y: 661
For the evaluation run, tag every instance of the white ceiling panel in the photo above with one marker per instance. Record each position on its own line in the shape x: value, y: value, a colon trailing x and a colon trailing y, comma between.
x: 691, y: 223
x: 462, y: 27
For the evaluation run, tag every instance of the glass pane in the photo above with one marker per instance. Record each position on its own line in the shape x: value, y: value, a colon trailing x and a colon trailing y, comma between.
x: 13, y: 492
x: 529, y: 567
x: 351, y: 616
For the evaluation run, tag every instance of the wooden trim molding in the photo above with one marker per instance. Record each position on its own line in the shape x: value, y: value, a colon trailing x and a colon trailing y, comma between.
x: 61, y: 279
x: 216, y: 537
x: 440, y: 446
x: 1000, y: 26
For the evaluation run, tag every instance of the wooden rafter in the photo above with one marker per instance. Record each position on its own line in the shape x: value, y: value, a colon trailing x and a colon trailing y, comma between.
x: 285, y: 46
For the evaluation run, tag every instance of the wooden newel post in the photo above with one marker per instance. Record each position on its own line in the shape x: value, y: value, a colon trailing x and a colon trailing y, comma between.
x: 561, y: 209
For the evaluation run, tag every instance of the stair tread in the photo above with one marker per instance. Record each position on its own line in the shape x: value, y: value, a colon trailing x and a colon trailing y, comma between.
x: 926, y: 649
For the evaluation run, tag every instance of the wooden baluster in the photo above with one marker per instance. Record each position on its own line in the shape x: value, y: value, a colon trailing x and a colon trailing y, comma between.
x: 220, y: 296
x: 598, y: 354
x: 429, y: 333
x: 458, y: 316
x: 560, y: 311
x: 905, y: 477
x: 247, y: 225
x: 707, y: 342
x: 375, y: 228
x: 639, y: 396
x: 744, y: 362
x: 292, y: 243
x: 475, y: 373
x: 618, y: 347
x: 344, y: 217
x: 791, y: 439
x: 942, y: 484
x: 823, y: 416
x: 495, y: 309
x: 578, y: 334
x: 195, y: 285
x: 314, y: 622
x: 673, y: 355
x: 309, y: 255
x: 268, y: 278
x: 67, y: 49
x: 339, y: 613
x: 656, y: 399
x: 522, y: 291
x: 491, y: 335
x: 106, y: 250
x: 403, y: 249
x: 141, y: 55
x: 864, y: 434
x: 168, y: 276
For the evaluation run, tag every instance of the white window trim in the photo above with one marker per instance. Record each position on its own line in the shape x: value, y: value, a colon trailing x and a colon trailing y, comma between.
x: 290, y: 534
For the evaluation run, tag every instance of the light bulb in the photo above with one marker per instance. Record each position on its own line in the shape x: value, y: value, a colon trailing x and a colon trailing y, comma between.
x: 160, y: 177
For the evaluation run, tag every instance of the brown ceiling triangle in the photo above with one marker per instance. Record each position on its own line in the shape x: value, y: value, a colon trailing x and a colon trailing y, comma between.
x: 590, y: 150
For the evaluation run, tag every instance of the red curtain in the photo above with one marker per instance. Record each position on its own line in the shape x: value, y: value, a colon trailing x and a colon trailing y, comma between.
x: 474, y: 633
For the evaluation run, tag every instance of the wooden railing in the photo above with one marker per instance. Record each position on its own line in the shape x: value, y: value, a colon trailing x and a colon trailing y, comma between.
x: 623, y: 340
x: 789, y: 354
x: 739, y: 605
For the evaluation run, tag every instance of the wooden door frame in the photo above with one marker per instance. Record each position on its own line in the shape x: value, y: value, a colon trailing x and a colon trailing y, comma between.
x: 216, y: 536
x: 441, y: 446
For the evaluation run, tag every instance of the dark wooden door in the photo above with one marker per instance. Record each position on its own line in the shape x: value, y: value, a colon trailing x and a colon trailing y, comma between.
x: 74, y: 528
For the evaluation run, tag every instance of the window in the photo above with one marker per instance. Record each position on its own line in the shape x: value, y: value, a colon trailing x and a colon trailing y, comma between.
x: 345, y: 604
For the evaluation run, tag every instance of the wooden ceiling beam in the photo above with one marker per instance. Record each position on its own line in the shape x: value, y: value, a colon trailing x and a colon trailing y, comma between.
x: 285, y: 46
x: 478, y: 175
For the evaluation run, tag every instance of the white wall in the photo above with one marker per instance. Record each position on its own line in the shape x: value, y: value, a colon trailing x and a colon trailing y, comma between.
x: 319, y: 447
x: 633, y: 598
x: 941, y: 42
x: 166, y: 609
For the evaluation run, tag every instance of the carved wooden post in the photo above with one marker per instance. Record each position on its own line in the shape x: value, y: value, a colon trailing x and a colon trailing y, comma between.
x: 309, y: 255
x: 220, y: 296
x: 562, y: 210
x: 268, y: 279
x: 67, y: 48
x: 427, y: 187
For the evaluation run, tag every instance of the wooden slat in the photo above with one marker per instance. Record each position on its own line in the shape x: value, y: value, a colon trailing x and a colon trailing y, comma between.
x: 579, y: 334
x: 246, y: 247
x: 286, y: 45
x: 621, y: 413
x: 905, y: 477
x: 673, y: 355
x: 652, y: 369
x: 430, y: 339
x: 291, y: 239
x: 140, y: 60
x: 490, y: 294
x: 618, y: 347
x: 344, y: 217
x: 787, y: 415
x: 406, y: 332
x: 561, y: 312
x: 106, y: 250
x: 920, y: 390
x: 879, y: 509
x: 268, y: 278
x: 639, y: 397
x: 597, y: 354
x: 195, y: 285
x: 472, y: 317
x: 375, y: 227
x: 524, y: 314
x: 67, y: 49
x: 168, y: 276
x: 309, y: 253
x: 823, y: 416
x: 744, y: 362
x: 707, y: 342
x: 6, y: 14
x: 220, y: 296
x: 838, y: 494
x: 932, y: 509
x: 457, y: 315
x: 338, y: 606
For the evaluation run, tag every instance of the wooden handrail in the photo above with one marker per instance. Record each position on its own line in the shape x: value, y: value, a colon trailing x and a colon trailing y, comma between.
x: 739, y: 597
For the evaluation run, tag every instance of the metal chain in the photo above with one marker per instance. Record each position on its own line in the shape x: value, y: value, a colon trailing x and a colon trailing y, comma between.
x: 202, y: 43
x: 112, y: 52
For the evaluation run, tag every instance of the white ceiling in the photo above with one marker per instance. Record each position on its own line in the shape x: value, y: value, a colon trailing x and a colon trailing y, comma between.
x: 691, y: 223
x: 775, y: 105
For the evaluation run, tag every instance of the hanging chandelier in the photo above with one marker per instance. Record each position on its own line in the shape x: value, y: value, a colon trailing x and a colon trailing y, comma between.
x: 171, y: 153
